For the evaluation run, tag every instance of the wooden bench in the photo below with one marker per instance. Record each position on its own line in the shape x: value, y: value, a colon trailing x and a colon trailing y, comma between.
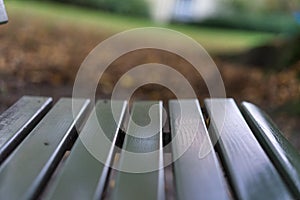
x: 41, y: 156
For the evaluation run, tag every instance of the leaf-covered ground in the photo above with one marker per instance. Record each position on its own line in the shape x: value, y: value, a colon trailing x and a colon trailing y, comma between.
x: 40, y: 58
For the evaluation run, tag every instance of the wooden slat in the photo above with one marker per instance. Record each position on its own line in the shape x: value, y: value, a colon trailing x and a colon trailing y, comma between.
x: 26, y: 171
x: 252, y: 174
x: 149, y: 185
x: 3, y: 15
x: 83, y: 173
x: 197, y: 172
x: 285, y: 157
x: 19, y: 120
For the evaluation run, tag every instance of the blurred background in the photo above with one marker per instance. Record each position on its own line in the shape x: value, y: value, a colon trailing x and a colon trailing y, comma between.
x: 255, y: 44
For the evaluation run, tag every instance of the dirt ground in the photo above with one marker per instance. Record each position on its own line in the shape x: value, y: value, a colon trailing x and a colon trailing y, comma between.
x: 37, y: 58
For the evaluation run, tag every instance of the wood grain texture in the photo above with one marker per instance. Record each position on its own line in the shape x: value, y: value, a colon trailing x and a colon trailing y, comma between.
x: 19, y: 120
x: 25, y: 172
x: 197, y: 172
x: 3, y: 15
x: 83, y: 174
x: 250, y: 171
x: 285, y: 157
x: 148, y: 185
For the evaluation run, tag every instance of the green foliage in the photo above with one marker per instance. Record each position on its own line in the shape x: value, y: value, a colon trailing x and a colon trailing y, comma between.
x: 126, y: 7
x: 291, y: 51
x: 275, y: 23
x: 261, y: 15
x: 259, y: 6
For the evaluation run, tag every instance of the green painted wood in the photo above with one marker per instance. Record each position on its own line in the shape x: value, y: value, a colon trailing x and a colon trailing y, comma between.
x: 285, y: 157
x: 148, y: 185
x: 197, y: 172
x: 3, y: 15
x: 250, y: 171
x: 19, y: 120
x: 83, y: 174
x: 26, y: 171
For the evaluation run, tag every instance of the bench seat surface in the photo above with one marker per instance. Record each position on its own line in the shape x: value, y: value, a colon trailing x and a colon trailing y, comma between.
x: 247, y: 158
x: 19, y: 120
x: 26, y: 170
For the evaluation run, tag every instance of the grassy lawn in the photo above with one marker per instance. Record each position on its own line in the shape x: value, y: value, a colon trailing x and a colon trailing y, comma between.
x: 213, y: 39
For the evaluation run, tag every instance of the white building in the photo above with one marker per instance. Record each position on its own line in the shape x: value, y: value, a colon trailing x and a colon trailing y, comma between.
x: 182, y: 10
x: 196, y: 10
